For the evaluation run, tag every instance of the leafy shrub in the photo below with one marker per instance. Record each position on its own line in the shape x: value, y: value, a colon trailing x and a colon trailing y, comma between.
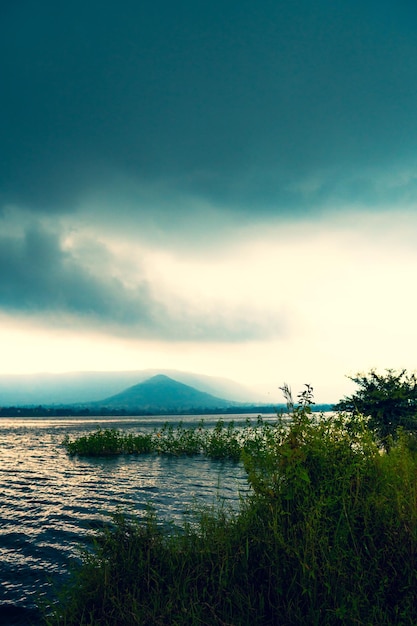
x: 389, y: 400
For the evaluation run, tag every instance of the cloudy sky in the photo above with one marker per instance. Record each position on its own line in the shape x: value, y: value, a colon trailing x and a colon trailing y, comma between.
x: 227, y: 188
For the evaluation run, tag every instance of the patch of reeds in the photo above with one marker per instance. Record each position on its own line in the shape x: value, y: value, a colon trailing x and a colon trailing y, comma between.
x: 328, y: 536
x: 224, y: 441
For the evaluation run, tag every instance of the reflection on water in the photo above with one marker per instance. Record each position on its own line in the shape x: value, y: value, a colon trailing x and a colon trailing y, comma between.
x: 50, y: 503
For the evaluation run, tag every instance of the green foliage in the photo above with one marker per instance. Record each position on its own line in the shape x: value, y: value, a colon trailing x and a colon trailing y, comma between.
x: 108, y: 442
x: 225, y: 442
x: 389, y: 400
x: 328, y: 536
x: 222, y: 442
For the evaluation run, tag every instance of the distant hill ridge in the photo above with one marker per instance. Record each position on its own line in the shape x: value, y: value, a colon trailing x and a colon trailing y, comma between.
x: 156, y: 395
x: 164, y: 393
x: 86, y: 387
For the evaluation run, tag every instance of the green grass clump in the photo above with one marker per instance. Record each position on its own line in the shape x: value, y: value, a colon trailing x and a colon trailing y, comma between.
x: 109, y: 442
x: 221, y: 442
x: 327, y: 536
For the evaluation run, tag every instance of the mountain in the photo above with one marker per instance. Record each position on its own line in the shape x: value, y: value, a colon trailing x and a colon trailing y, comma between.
x: 81, y: 387
x: 161, y: 393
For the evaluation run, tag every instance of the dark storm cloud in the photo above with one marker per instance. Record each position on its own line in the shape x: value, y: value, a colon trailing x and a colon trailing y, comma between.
x: 39, y: 277
x: 273, y: 105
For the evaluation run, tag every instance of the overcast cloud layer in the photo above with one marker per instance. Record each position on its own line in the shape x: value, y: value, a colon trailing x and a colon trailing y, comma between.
x: 143, y: 144
x: 270, y: 106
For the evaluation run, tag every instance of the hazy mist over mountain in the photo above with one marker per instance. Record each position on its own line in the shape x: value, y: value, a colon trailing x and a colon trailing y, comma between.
x: 161, y: 393
x: 78, y: 387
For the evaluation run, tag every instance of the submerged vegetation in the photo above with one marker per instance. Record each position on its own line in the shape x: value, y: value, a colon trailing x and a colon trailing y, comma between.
x: 327, y: 535
x: 224, y: 441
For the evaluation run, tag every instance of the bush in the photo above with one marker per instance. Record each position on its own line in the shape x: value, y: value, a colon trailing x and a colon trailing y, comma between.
x: 328, y: 536
x: 389, y: 400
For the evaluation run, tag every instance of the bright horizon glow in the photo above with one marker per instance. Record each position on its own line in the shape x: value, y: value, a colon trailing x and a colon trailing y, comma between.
x: 337, y: 288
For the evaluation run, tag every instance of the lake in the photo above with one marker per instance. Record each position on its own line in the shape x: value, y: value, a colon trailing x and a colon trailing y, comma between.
x: 50, y: 503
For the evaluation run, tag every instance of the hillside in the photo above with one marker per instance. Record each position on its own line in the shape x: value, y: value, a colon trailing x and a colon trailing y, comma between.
x: 162, y: 393
x: 82, y: 387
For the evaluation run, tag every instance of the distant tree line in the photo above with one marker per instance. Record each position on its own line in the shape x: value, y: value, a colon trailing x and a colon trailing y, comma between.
x: 41, y: 411
x: 103, y: 411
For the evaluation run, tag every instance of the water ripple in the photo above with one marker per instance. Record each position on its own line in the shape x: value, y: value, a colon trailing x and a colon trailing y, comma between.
x: 50, y: 503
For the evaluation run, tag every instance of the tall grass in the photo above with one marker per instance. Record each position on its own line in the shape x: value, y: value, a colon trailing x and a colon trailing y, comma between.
x: 328, y: 536
x: 224, y: 441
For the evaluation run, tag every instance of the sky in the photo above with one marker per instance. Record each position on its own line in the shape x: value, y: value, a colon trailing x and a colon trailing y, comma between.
x: 226, y: 188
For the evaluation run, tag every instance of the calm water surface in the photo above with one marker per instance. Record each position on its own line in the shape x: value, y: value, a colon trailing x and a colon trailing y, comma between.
x: 50, y: 504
